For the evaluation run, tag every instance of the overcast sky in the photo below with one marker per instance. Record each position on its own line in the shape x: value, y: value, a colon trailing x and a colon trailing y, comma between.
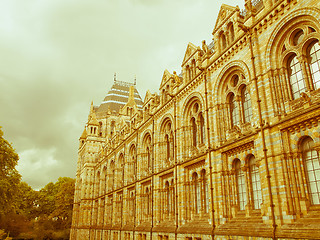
x: 59, y: 55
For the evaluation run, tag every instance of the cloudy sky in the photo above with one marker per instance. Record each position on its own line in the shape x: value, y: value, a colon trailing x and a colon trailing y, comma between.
x: 56, y: 56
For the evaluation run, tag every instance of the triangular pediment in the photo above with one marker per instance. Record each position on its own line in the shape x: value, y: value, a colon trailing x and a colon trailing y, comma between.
x: 225, y: 12
x: 93, y: 119
x: 165, y: 77
x: 191, y: 49
x: 148, y: 96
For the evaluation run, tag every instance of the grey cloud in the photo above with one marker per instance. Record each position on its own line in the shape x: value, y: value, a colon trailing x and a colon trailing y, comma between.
x: 58, y: 55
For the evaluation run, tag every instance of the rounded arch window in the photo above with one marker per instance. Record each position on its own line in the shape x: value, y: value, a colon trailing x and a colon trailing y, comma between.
x: 166, y: 142
x: 256, y: 193
x: 312, y: 169
x: 246, y: 104
x: 238, y: 99
x: 194, y: 131
x: 195, y: 123
x: 241, y: 184
x: 196, y: 192
x: 295, y: 76
x: 234, y: 110
x: 300, y: 49
x: 314, y: 56
x: 231, y: 31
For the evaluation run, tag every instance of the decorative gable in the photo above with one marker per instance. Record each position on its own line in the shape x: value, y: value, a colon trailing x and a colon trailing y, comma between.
x: 148, y: 96
x: 166, y: 76
x: 225, y: 12
x: 191, y: 50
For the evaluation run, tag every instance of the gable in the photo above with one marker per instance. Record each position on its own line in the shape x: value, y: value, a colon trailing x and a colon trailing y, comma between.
x: 166, y: 76
x: 148, y: 96
x: 191, y: 49
x: 225, y: 12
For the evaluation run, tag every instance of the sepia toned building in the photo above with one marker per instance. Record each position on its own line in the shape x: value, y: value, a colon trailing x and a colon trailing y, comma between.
x: 228, y: 149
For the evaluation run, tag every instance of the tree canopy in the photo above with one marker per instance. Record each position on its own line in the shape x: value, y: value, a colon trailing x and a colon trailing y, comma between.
x: 29, y: 214
x: 9, y: 176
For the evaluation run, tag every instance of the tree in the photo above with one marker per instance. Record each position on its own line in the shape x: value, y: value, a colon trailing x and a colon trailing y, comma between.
x: 29, y: 214
x: 26, y: 201
x: 64, y: 201
x: 9, y: 177
x: 55, y: 202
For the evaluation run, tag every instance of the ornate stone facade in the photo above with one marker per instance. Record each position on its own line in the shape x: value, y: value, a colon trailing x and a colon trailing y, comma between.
x: 229, y: 149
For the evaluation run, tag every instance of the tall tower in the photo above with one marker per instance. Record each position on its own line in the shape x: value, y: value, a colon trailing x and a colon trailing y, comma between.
x: 101, y: 125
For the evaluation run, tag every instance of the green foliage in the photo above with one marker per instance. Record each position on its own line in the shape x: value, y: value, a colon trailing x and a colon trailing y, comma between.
x: 9, y: 176
x: 26, y: 201
x: 54, y: 206
x: 29, y: 214
x: 64, y: 201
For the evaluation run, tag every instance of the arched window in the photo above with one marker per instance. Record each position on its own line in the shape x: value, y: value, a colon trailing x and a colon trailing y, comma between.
x: 296, y: 79
x: 241, y: 184
x: 112, y: 127
x: 120, y: 171
x: 204, y: 192
x: 147, y: 154
x: 164, y: 96
x: 194, y: 131
x: 148, y: 157
x: 238, y: 107
x: 147, y: 202
x: 255, y: 183
x: 188, y: 72
x: 172, y: 197
x: 104, y: 180
x: 167, y: 198
x: 234, y: 110
x: 193, y: 68
x: 131, y: 163
x: 246, y: 105
x: 131, y: 205
x: 196, y: 125
x: 231, y: 32
x: 223, y: 41
x: 301, y: 50
x: 167, y: 145
x: 196, y: 192
x: 97, y: 185
x: 111, y: 176
x: 202, y: 129
x: 100, y: 129
x: 314, y: 56
x: 312, y: 169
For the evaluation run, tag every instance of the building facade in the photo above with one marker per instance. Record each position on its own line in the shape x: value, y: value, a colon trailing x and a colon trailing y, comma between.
x: 228, y: 149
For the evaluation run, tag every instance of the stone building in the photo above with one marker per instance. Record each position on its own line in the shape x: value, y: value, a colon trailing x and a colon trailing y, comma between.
x: 228, y: 149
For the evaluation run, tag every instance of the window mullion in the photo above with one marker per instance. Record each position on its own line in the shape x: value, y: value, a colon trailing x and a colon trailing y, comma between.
x: 306, y: 72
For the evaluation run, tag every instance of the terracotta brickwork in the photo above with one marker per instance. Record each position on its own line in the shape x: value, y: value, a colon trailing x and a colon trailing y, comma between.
x: 228, y: 149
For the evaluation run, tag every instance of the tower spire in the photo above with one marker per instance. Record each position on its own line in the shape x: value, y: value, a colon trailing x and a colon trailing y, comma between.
x: 115, y: 77
x: 135, y: 80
